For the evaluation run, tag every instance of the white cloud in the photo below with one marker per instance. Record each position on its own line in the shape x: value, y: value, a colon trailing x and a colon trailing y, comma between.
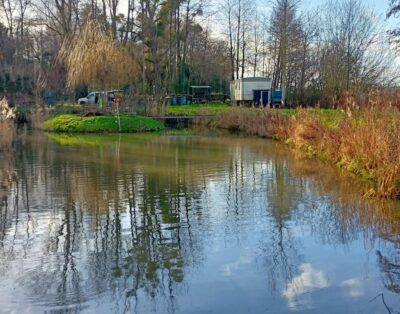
x: 230, y: 268
x: 354, y: 286
x: 297, y: 291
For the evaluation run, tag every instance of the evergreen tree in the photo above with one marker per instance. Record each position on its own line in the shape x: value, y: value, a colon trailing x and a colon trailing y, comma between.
x: 18, y: 84
x: 1, y: 84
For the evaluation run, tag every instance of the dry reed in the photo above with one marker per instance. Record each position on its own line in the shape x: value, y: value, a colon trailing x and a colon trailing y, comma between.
x: 264, y: 123
x: 365, y: 140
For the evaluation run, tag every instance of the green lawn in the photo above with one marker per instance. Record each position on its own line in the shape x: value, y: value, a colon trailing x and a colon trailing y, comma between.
x: 197, y: 109
x: 101, y: 124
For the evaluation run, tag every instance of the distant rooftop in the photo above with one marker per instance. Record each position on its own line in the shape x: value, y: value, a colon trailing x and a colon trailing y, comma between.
x: 250, y: 79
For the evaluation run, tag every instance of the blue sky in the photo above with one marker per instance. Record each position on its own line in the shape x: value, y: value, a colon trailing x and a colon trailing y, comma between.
x: 380, y: 7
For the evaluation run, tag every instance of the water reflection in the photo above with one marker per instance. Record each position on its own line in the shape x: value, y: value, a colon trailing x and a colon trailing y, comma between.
x: 143, y: 222
x: 307, y: 280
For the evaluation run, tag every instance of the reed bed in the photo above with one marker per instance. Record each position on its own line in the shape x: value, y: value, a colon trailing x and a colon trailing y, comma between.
x: 362, y: 137
x: 365, y: 143
x: 264, y: 123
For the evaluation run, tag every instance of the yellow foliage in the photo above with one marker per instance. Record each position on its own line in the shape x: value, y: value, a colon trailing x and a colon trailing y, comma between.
x: 95, y: 58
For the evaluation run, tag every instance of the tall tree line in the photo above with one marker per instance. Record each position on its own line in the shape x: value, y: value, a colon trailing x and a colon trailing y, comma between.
x: 166, y: 37
x: 312, y: 56
x: 394, y: 11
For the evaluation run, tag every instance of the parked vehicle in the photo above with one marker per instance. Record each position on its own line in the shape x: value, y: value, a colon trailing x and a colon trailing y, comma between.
x: 94, y: 97
x: 91, y: 99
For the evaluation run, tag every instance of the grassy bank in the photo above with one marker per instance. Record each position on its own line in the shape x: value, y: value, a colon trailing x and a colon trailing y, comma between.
x: 213, y: 108
x: 101, y: 124
x: 363, y: 141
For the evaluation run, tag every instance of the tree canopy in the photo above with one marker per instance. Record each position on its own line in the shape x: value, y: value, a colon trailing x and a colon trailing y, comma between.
x: 155, y: 47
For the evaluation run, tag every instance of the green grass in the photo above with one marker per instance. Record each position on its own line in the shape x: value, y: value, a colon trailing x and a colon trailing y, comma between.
x: 328, y: 117
x: 197, y: 109
x: 287, y: 112
x: 180, y: 132
x: 101, y: 124
x: 91, y: 139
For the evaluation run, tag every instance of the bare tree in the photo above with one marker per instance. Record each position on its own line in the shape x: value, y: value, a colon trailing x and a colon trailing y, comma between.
x: 9, y: 8
x: 284, y: 31
x: 227, y: 14
x: 59, y: 16
x: 394, y: 10
x: 353, y: 56
x: 237, y: 23
x: 113, y: 6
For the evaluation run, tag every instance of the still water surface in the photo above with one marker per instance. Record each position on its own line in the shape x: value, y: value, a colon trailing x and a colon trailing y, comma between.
x: 188, y: 224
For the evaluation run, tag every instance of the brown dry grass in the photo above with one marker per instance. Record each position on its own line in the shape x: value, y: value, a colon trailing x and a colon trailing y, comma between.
x: 364, y: 141
x: 375, y: 98
x: 264, y: 123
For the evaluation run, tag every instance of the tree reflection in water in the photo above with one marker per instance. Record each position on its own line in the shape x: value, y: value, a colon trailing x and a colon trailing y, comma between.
x: 390, y: 268
x: 126, y: 218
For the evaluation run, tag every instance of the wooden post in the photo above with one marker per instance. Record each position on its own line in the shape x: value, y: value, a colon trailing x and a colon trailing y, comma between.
x: 117, y: 101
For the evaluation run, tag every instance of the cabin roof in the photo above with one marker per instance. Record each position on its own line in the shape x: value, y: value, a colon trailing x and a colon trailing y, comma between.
x: 254, y: 79
x: 195, y: 86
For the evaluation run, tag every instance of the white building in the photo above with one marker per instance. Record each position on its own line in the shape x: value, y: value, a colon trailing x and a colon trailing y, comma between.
x: 251, y: 90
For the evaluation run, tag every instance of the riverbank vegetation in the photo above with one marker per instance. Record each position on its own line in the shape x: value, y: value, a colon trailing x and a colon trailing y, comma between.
x: 212, y: 108
x: 362, y: 138
x: 101, y: 124
x: 7, y: 128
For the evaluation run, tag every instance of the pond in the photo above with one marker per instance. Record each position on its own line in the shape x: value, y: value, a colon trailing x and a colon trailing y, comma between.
x: 193, y: 223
